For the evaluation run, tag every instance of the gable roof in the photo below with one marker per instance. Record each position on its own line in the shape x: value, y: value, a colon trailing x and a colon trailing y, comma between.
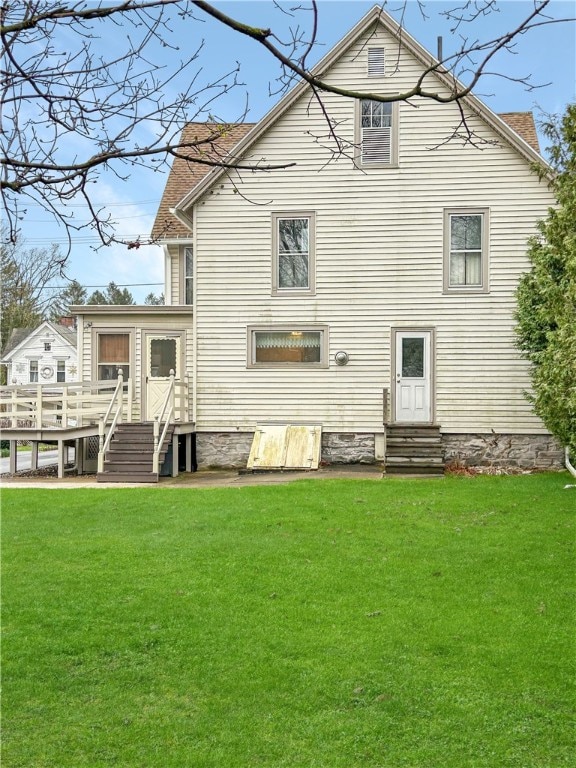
x: 187, y: 183
x: 17, y: 336
x: 20, y: 336
x: 184, y: 175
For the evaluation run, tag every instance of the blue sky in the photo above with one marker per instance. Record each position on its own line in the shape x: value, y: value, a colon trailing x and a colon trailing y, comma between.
x: 548, y: 54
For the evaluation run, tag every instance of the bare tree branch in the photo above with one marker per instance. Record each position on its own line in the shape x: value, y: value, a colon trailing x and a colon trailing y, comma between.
x: 75, y: 107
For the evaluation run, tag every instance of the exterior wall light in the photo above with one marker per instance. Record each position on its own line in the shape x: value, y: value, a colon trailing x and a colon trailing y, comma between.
x: 341, y: 358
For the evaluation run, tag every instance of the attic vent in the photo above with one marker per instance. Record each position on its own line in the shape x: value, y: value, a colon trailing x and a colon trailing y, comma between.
x: 375, y: 62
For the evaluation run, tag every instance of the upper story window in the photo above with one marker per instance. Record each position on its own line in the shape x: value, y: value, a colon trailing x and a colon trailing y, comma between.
x: 466, y: 250
x: 378, y: 133
x: 33, y: 370
x: 188, y: 264
x: 293, y: 253
x: 376, y: 62
x: 47, y: 346
x: 60, y: 370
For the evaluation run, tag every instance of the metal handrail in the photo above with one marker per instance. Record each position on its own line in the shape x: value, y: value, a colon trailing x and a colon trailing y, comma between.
x: 159, y: 440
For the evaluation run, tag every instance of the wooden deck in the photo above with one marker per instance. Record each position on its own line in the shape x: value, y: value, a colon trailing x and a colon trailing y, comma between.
x: 78, y: 415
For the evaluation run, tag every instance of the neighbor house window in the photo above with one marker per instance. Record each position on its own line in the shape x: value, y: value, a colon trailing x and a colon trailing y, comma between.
x: 113, y: 353
x: 33, y: 371
x: 188, y: 264
x: 466, y: 250
x: 293, y: 253
x: 60, y: 370
x: 377, y: 133
x: 286, y: 347
x: 47, y: 346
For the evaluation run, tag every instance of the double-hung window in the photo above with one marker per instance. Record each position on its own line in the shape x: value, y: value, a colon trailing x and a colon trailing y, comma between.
x: 377, y: 133
x: 188, y: 264
x: 293, y: 243
x: 61, y: 370
x: 33, y: 370
x: 466, y: 250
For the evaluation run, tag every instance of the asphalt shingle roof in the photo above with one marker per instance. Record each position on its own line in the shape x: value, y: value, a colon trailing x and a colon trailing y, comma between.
x: 184, y: 176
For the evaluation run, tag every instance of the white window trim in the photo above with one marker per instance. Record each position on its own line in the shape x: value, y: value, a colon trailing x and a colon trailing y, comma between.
x: 311, y: 289
x: 106, y: 331
x: 395, y: 133
x: 484, y: 286
x: 251, y: 345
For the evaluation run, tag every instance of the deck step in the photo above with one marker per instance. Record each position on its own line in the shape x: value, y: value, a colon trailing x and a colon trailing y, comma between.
x: 414, y: 449
x: 130, y: 458
x: 127, y: 477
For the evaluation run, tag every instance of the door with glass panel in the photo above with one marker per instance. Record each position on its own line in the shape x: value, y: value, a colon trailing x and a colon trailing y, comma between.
x: 413, y: 376
x: 162, y: 355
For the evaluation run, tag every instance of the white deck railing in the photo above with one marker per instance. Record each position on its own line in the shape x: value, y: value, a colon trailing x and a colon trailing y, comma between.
x: 59, y: 406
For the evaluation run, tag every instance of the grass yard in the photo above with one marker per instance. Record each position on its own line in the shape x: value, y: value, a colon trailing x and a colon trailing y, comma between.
x: 319, y: 624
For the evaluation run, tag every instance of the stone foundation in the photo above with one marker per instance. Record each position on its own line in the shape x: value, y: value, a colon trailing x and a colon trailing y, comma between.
x: 228, y: 450
x: 513, y: 451
x: 231, y: 450
x: 347, y: 448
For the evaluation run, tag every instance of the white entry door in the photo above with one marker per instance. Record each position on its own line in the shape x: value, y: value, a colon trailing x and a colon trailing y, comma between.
x: 162, y: 356
x: 413, y: 376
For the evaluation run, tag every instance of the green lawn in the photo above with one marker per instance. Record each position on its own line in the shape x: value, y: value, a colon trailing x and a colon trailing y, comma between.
x: 323, y: 623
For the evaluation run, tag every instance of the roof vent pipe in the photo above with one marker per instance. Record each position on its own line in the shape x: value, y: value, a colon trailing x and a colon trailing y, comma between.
x: 440, y: 48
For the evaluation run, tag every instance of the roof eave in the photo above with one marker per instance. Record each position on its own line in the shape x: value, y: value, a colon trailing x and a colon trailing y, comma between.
x: 375, y: 14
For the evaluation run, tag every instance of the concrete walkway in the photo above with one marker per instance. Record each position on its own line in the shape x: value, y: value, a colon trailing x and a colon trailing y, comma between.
x: 202, y: 479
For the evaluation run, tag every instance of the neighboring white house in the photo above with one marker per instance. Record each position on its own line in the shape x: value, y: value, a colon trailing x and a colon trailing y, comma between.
x: 360, y: 292
x: 43, y: 355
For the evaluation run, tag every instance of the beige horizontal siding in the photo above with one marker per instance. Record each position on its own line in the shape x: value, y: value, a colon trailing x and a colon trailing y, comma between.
x: 379, y: 267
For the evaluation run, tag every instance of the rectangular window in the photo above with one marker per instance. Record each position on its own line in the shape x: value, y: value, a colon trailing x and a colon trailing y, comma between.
x: 377, y: 134
x: 60, y: 370
x: 376, y: 62
x: 286, y: 347
x: 293, y: 253
x: 47, y: 346
x: 113, y: 353
x: 33, y: 371
x: 466, y: 250
x: 188, y: 276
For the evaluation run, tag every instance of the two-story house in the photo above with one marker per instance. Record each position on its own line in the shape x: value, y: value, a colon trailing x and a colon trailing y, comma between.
x: 368, y: 294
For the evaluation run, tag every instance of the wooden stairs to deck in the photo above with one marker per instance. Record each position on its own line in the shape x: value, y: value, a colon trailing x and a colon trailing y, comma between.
x: 414, y: 450
x: 130, y: 458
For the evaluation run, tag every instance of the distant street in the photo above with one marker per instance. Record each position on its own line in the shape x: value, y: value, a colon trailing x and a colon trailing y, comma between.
x: 45, y: 459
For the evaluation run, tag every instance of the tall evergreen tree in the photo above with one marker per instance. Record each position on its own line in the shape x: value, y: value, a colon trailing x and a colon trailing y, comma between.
x: 546, y: 312
x: 112, y: 295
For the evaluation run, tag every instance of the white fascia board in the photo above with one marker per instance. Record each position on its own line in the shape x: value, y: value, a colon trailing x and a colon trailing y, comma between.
x: 375, y: 15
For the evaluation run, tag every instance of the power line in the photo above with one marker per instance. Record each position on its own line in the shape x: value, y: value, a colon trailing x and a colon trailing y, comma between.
x: 118, y: 285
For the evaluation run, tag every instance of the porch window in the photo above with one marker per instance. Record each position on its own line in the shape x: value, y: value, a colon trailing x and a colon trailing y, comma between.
x: 113, y: 353
x: 33, y: 369
x: 60, y: 370
x: 466, y: 250
x: 288, y: 347
x: 294, y: 258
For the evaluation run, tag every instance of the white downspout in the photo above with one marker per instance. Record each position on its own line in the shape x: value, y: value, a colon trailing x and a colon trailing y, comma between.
x: 567, y: 463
